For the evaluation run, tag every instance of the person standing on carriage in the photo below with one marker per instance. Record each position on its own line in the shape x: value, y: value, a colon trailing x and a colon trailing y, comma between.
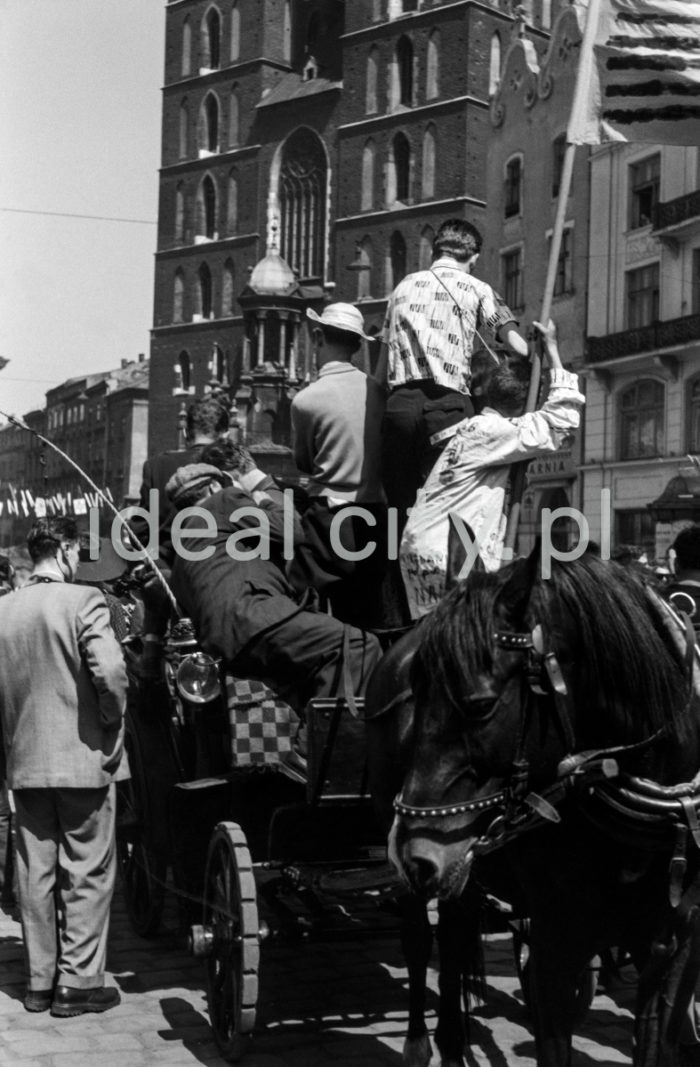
x: 336, y: 422
x: 432, y: 320
x: 207, y: 421
x: 62, y: 701
x: 471, y: 476
x: 236, y: 592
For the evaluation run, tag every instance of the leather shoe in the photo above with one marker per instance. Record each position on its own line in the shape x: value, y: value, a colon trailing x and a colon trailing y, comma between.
x: 68, y: 1002
x: 38, y: 999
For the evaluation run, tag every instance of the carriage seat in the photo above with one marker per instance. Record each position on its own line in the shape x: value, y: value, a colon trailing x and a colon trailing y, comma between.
x: 263, y: 728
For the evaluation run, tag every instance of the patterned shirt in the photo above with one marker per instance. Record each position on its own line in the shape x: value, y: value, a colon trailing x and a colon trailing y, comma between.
x: 431, y: 322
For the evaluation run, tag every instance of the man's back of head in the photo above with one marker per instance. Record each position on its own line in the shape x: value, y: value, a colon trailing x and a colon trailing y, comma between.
x: 458, y: 239
x: 687, y: 549
x: 503, y: 387
x: 47, y: 536
x: 207, y: 419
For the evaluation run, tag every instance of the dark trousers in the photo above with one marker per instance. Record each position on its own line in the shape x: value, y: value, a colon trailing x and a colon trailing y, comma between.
x: 413, y: 413
x: 352, y: 587
x: 310, y: 655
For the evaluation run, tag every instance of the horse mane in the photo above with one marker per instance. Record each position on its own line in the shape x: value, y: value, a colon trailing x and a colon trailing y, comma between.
x: 628, y: 661
x: 618, y: 640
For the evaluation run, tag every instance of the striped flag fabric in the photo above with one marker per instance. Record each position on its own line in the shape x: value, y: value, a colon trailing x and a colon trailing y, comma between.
x: 639, y: 73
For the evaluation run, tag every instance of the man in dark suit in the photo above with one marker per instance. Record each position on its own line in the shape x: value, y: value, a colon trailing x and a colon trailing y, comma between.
x: 207, y: 421
x: 239, y: 598
x: 62, y: 699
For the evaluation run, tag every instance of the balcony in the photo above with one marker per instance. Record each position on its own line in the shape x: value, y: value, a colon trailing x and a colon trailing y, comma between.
x: 678, y: 214
x: 671, y: 334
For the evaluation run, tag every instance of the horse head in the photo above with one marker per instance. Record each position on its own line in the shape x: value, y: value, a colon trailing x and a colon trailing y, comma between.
x: 515, y: 677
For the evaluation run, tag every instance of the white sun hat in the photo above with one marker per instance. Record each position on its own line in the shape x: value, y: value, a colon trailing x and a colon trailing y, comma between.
x: 341, y: 317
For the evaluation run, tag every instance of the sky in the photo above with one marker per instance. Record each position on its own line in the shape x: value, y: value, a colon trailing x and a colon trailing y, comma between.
x: 80, y: 113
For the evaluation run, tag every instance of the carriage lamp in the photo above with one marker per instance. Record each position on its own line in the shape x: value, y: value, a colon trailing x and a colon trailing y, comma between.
x: 197, y: 678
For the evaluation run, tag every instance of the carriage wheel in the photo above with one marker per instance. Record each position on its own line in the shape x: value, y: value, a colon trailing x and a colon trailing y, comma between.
x: 142, y: 873
x: 588, y: 980
x: 231, y: 925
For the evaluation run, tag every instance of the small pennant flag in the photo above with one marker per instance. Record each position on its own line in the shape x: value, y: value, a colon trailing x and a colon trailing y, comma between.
x: 642, y: 73
x: 3, y: 362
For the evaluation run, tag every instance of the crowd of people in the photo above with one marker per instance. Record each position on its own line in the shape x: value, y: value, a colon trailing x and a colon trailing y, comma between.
x: 286, y: 588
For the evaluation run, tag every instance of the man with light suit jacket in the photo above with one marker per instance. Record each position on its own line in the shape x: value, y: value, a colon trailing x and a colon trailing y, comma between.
x: 62, y: 699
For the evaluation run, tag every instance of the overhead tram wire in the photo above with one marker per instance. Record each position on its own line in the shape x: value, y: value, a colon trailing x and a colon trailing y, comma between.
x: 76, y: 215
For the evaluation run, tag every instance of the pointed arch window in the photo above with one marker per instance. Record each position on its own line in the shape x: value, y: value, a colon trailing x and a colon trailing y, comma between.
x: 211, y: 40
x: 432, y: 71
x: 206, y: 208
x: 184, y: 132
x: 232, y: 204
x: 183, y: 373
x: 180, y: 213
x: 302, y: 199
x: 179, y: 297
x: 235, y: 32
x: 204, y: 292
x: 368, y: 159
x: 428, y: 168
x: 234, y: 131
x: 371, y: 104
x: 227, y: 289
x: 287, y: 32
x: 217, y: 364
x: 494, y: 64
x: 186, y: 67
x: 397, y: 258
x: 402, y: 167
x: 425, y: 248
x: 404, y: 71
x: 208, y: 128
x: 364, y: 273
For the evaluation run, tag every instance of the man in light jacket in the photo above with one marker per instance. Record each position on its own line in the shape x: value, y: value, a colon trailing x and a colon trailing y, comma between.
x: 62, y: 700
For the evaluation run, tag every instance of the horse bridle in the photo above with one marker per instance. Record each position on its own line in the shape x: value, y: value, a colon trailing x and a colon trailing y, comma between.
x: 520, y: 808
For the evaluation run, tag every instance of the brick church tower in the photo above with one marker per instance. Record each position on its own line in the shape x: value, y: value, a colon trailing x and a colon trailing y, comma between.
x: 310, y: 150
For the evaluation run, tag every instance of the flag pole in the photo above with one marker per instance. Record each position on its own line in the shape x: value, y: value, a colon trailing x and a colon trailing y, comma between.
x: 578, y: 110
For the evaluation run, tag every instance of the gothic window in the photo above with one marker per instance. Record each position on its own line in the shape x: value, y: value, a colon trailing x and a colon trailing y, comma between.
x: 372, y: 79
x: 513, y: 187
x: 183, y: 373
x: 204, y: 292
x: 397, y: 257
x: 217, y: 364
x: 287, y: 33
x: 235, y: 32
x: 227, y: 292
x: 495, y: 64
x: 186, y: 68
x: 367, y: 193
x: 404, y: 72
x: 211, y: 40
x: 402, y: 167
x: 429, y: 153
x: 208, y: 128
x: 302, y: 198
x: 425, y: 248
x: 206, y: 208
x: 178, y: 296
x: 233, y: 118
x: 512, y: 272
x: 564, y: 278
x: 232, y: 204
x: 184, y: 130
x: 432, y: 73
x: 641, y: 415
x: 180, y: 213
x: 364, y: 274
x: 558, y: 154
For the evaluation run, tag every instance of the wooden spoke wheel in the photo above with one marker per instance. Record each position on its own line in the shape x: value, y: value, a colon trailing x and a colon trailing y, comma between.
x: 232, y: 931
x: 142, y: 872
x: 587, y: 983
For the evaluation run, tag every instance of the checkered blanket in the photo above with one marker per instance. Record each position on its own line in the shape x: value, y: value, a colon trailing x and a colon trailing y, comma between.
x: 262, y: 725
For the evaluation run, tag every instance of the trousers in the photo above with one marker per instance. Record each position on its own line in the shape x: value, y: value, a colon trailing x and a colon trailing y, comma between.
x: 66, y: 867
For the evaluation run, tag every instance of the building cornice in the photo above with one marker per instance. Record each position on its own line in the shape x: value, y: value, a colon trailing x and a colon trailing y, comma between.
x: 429, y: 15
x: 232, y: 69
x: 215, y: 246
x: 397, y: 117
x: 177, y: 328
x: 205, y: 162
x: 408, y: 209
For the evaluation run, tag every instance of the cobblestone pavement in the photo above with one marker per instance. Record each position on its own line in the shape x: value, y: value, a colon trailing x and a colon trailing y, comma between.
x: 341, y: 1003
